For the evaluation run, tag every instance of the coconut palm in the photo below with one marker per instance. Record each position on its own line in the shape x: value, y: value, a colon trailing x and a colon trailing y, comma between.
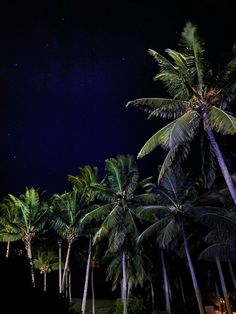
x: 31, y: 214
x: 171, y: 217
x: 45, y: 261
x: 121, y: 195
x: 87, y: 180
x: 67, y: 209
x: 198, y: 103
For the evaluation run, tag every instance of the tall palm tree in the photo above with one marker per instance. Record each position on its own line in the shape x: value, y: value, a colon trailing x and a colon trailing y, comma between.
x: 121, y: 194
x: 87, y: 180
x: 198, y: 103
x: 172, y: 215
x: 45, y: 261
x: 67, y: 209
x: 31, y: 214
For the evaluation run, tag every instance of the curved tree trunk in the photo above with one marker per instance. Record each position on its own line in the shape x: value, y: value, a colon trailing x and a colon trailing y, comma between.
x: 92, y: 288
x: 29, y: 255
x: 193, y: 275
x: 66, y: 267
x: 124, y: 282
x: 221, y: 162
x: 59, y: 268
x: 166, y: 284
x: 232, y: 274
x: 45, y: 281
x: 83, y: 306
x: 8, y: 249
x: 223, y: 285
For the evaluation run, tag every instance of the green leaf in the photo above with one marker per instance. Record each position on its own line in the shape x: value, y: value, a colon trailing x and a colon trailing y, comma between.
x: 221, y: 121
x: 163, y: 107
x: 159, y: 138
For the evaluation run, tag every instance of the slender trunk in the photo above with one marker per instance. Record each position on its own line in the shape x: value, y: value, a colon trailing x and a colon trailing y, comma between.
x: 66, y: 283
x: 182, y: 293
x: 193, y: 275
x: 124, y: 282
x: 221, y: 162
x: 29, y: 255
x: 69, y: 285
x: 66, y: 266
x: 232, y: 274
x: 152, y: 295
x: 45, y: 281
x: 218, y: 297
x: 223, y: 285
x: 166, y: 285
x: 83, y: 306
x: 59, y: 269
x: 8, y: 249
x: 92, y: 288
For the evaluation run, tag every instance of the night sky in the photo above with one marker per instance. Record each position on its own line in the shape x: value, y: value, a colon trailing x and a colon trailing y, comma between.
x: 67, y: 70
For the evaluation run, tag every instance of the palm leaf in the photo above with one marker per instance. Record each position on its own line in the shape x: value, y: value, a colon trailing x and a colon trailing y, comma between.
x: 179, y: 152
x: 194, y: 46
x: 221, y: 121
x: 163, y: 107
x: 96, y: 214
x: 156, y: 227
x: 159, y: 138
x: 221, y: 250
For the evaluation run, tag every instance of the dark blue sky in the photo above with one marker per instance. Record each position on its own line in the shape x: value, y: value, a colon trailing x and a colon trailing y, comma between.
x: 67, y: 70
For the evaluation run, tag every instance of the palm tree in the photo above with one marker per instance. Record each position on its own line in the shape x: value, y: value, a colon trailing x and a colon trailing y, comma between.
x: 87, y: 180
x: 198, y: 103
x: 67, y: 209
x: 31, y: 214
x: 45, y: 261
x: 121, y: 195
x: 171, y: 219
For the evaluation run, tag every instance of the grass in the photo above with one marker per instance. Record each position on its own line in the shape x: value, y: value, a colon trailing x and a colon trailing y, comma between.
x: 101, y: 306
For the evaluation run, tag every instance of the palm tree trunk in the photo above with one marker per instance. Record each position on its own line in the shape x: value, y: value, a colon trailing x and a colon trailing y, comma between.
x: 83, y: 306
x: 66, y: 283
x: 152, y: 295
x: 29, y: 255
x: 221, y: 162
x: 193, y: 275
x: 124, y: 282
x: 92, y: 288
x: 232, y: 274
x: 59, y: 269
x: 166, y: 285
x: 223, y: 285
x: 182, y: 293
x: 69, y: 285
x: 8, y: 249
x: 66, y: 266
x: 218, y: 297
x: 44, y: 281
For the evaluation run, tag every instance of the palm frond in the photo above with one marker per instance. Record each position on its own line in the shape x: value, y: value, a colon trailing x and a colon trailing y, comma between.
x: 170, y: 76
x: 159, y: 138
x: 208, y: 166
x: 221, y: 250
x: 221, y: 121
x: 160, y: 107
x: 96, y: 214
x: 177, y: 153
x: 194, y: 47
